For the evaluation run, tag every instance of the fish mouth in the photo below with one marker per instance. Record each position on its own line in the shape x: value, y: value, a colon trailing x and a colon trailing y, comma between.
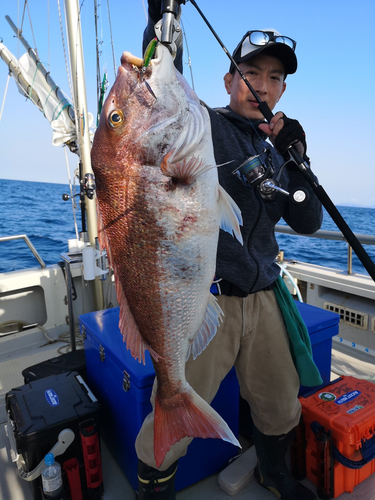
x: 128, y: 60
x: 132, y: 65
x: 135, y: 65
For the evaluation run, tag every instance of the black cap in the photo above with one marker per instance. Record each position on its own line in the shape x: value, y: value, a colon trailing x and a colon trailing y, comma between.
x: 245, y: 50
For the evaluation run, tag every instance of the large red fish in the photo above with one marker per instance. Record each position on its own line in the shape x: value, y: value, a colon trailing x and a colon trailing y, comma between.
x: 161, y: 208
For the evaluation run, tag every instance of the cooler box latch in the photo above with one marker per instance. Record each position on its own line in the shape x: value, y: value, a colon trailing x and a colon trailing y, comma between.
x: 102, y: 353
x: 126, y: 381
x: 325, y: 461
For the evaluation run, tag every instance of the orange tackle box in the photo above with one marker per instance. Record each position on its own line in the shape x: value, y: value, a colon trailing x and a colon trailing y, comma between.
x: 339, y: 428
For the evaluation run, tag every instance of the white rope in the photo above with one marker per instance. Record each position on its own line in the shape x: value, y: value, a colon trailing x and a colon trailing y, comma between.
x: 5, y: 93
x: 283, y: 269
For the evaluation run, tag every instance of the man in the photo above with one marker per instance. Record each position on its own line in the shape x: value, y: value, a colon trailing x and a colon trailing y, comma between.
x: 253, y: 336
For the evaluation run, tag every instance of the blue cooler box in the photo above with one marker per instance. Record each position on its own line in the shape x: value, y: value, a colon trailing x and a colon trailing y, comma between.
x: 123, y: 387
x: 322, y: 325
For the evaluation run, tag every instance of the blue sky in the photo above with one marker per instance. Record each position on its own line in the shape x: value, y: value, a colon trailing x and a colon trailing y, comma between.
x: 332, y: 94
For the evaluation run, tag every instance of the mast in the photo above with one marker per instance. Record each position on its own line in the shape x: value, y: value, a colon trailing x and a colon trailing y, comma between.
x: 82, y: 122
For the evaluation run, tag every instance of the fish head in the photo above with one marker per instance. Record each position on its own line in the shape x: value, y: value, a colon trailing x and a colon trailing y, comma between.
x: 136, y: 125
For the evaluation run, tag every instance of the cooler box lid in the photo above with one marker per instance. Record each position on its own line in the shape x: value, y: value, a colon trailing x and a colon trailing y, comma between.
x: 102, y: 326
x: 49, y: 403
x: 317, y: 319
x: 346, y: 407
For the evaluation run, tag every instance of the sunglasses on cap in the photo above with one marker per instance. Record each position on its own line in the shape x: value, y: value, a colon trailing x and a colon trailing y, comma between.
x: 260, y: 38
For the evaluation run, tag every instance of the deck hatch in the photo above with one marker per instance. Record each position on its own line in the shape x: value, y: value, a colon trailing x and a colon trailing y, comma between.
x: 348, y: 315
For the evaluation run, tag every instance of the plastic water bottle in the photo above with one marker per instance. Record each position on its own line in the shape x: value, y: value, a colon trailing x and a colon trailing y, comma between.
x: 51, y: 478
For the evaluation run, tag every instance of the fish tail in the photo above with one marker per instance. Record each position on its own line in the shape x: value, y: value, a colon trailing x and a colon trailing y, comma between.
x: 193, y: 417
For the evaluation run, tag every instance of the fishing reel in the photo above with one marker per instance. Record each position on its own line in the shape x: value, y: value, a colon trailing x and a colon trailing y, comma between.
x: 89, y: 187
x: 258, y: 172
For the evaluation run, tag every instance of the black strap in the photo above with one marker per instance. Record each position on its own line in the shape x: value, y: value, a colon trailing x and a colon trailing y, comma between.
x: 224, y: 287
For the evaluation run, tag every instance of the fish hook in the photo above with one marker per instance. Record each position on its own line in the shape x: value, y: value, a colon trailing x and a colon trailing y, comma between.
x: 149, y: 52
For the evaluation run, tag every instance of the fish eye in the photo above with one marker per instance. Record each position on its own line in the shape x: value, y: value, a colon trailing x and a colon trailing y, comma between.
x: 116, y: 118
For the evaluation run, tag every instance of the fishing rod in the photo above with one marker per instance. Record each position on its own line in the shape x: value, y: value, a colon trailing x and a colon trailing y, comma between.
x: 303, y: 166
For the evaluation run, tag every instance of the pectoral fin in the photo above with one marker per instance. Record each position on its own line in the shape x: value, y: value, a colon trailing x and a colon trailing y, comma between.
x: 184, y: 171
x: 230, y: 215
x: 208, y: 329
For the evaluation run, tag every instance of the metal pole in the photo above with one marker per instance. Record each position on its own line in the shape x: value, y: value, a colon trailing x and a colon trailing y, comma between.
x: 28, y: 243
x: 14, y: 69
x: 350, y: 259
x: 70, y: 307
x: 82, y: 122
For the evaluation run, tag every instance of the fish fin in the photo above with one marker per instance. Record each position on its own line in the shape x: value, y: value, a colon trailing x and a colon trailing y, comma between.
x: 185, y: 171
x: 194, y: 417
x: 128, y: 327
x: 208, y: 329
x: 127, y: 324
x: 130, y: 332
x: 230, y: 215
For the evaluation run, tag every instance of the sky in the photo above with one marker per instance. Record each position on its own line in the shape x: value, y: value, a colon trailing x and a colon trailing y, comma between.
x: 332, y: 94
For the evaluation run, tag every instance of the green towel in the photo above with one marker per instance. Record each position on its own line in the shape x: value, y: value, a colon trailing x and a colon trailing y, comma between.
x: 300, y: 345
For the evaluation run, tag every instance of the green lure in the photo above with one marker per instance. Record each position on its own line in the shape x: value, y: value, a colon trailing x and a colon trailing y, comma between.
x: 149, y: 52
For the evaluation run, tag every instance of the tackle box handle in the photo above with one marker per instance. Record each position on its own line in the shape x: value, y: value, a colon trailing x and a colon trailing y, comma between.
x: 367, y: 450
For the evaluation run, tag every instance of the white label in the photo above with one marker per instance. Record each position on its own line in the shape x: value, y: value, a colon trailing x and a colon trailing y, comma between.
x: 51, y: 485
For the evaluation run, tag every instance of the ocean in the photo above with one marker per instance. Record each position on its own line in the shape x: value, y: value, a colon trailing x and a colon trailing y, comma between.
x: 38, y: 210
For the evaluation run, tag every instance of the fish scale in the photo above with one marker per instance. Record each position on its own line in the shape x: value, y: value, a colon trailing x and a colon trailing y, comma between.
x: 160, y: 210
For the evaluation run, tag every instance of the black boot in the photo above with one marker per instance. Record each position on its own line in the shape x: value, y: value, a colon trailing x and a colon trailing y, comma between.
x: 154, y: 484
x: 272, y: 472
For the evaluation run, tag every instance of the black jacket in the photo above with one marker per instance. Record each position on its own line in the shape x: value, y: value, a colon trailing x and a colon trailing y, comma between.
x: 251, y: 267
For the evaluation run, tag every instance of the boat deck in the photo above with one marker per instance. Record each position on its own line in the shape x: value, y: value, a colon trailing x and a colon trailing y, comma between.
x: 12, y: 487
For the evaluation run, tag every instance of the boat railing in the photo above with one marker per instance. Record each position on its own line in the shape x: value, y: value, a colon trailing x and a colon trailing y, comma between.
x: 28, y: 243
x: 364, y: 239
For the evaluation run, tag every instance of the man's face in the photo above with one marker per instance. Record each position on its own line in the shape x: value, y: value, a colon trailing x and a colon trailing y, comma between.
x: 266, y: 75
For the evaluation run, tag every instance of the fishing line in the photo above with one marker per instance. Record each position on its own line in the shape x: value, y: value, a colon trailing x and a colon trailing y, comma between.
x: 64, y: 48
x: 110, y: 31
x: 249, y: 120
x: 188, y: 55
x: 71, y: 194
x: 145, y: 11
x: 5, y: 94
x: 98, y: 77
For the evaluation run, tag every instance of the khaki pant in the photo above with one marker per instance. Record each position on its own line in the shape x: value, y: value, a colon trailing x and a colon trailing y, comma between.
x: 253, y: 339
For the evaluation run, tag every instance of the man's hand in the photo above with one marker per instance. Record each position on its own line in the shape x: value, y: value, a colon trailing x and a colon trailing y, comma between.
x: 283, y: 132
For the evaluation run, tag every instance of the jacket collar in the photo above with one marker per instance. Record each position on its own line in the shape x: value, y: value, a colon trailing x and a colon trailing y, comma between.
x: 242, y: 122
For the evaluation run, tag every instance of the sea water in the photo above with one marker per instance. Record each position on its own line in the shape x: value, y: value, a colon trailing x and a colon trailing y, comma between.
x: 38, y: 210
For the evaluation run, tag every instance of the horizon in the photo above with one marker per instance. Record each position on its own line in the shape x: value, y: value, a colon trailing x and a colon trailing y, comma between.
x: 346, y: 205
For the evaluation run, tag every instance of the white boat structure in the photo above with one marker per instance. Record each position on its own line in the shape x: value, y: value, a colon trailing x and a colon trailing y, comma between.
x: 40, y: 306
